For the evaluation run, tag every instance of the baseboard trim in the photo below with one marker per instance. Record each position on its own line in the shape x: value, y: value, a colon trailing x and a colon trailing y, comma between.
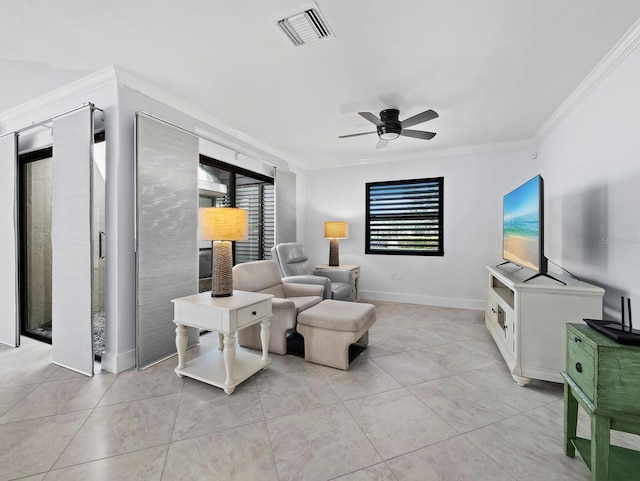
x: 118, y: 363
x: 454, y: 302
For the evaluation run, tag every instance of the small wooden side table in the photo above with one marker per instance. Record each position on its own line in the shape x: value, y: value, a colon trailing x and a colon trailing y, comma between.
x: 354, y: 268
x: 604, y: 378
x: 226, y: 316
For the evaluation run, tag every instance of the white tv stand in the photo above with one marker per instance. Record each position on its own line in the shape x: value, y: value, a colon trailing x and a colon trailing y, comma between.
x: 527, y: 319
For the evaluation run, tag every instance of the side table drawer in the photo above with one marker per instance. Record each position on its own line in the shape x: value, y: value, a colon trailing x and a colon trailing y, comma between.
x: 253, y: 312
x: 581, y: 367
x: 580, y: 340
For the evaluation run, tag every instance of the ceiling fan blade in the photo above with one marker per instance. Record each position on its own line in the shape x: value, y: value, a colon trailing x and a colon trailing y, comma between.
x: 371, y: 118
x: 382, y: 144
x: 418, y: 134
x: 419, y: 118
x: 355, y: 135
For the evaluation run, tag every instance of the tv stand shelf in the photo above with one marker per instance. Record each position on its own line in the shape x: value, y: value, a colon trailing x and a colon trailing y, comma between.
x: 527, y: 319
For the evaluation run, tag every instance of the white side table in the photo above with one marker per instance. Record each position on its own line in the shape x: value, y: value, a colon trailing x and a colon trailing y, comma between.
x: 354, y: 268
x: 224, y: 367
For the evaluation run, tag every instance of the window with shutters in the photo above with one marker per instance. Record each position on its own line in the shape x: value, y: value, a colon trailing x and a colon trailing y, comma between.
x: 405, y: 217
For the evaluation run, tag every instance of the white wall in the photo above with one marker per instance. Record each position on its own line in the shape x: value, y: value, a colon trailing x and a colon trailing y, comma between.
x: 591, y: 166
x: 474, y: 185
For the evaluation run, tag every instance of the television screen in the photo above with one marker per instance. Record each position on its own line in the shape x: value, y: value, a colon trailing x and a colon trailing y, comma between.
x: 522, y: 226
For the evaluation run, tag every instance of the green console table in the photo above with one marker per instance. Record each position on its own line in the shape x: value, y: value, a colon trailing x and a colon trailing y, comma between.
x: 604, y: 377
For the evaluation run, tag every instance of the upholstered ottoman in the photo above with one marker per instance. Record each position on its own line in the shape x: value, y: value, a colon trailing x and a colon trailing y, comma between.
x: 330, y: 327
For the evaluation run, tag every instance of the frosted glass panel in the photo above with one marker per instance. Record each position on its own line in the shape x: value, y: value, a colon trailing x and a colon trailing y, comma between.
x: 9, y: 333
x: 286, y: 230
x: 71, y: 241
x: 167, y: 162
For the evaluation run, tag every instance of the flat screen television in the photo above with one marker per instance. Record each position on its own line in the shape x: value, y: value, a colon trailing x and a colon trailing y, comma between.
x: 523, y: 226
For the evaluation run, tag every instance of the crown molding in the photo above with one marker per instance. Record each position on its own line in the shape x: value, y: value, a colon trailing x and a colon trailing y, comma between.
x: 617, y: 54
x: 23, y: 115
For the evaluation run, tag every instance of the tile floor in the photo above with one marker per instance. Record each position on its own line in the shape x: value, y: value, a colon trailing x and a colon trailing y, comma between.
x: 431, y: 399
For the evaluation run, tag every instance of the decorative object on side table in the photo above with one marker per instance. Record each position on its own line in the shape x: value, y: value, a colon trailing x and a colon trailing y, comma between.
x: 221, y: 225
x: 603, y: 376
x: 334, y: 230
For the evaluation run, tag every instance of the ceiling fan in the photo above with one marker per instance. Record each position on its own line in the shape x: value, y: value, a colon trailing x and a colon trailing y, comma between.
x: 389, y: 127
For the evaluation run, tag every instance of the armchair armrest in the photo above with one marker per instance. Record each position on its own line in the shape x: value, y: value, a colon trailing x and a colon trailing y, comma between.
x: 284, y: 312
x: 314, y: 280
x: 336, y: 275
x: 278, y: 303
x: 294, y: 289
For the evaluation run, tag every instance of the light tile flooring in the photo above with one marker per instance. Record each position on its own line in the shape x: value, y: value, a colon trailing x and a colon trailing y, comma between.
x: 430, y: 399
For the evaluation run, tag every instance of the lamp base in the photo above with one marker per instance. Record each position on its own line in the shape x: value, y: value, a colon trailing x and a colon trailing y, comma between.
x: 221, y: 269
x: 221, y: 295
x: 334, y: 252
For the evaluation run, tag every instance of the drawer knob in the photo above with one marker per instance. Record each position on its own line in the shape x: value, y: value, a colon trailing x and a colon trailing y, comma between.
x: 578, y: 367
x: 493, y: 310
x: 577, y: 339
x: 253, y: 313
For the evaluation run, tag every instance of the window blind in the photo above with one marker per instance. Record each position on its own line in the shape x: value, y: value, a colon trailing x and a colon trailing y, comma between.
x: 258, y: 200
x: 405, y: 217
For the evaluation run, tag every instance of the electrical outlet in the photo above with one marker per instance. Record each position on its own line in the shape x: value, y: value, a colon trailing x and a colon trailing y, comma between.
x: 398, y: 276
x: 393, y: 276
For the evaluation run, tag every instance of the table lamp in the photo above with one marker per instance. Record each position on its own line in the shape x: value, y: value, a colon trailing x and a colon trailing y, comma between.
x: 221, y: 225
x: 334, y: 230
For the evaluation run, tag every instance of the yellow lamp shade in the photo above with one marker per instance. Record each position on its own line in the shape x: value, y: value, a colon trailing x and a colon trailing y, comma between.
x: 223, y: 224
x: 336, y: 230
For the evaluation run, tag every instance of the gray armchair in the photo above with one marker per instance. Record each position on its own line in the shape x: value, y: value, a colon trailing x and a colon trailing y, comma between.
x: 295, y: 267
x: 288, y: 301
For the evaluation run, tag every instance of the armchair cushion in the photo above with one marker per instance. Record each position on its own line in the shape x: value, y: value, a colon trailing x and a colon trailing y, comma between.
x: 293, y: 260
x: 292, y: 289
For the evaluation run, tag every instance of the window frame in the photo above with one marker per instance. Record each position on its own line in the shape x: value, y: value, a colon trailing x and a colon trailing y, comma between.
x: 406, y: 184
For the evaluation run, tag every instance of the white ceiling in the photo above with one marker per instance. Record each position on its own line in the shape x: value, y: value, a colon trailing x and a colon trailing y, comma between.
x: 495, y: 70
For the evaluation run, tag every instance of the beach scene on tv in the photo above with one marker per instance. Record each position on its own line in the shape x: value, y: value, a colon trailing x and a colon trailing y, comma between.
x: 521, y: 225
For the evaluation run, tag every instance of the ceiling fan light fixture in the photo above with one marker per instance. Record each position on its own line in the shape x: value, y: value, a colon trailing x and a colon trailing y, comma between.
x: 389, y: 135
x: 389, y: 132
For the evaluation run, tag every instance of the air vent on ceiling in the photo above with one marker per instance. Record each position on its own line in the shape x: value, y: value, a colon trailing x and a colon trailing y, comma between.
x: 305, y: 26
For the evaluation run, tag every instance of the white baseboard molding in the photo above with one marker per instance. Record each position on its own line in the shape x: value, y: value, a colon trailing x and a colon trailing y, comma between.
x: 118, y: 363
x: 454, y: 302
